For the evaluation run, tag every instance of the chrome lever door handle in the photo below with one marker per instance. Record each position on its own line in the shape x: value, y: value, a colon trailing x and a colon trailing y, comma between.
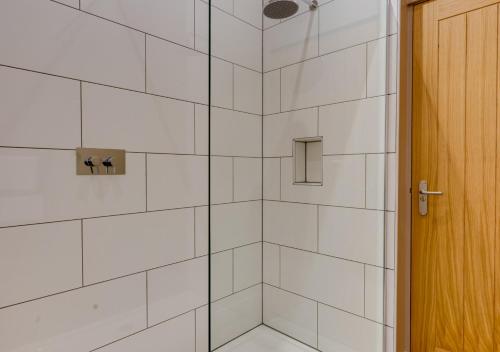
x: 423, y: 195
x: 431, y: 193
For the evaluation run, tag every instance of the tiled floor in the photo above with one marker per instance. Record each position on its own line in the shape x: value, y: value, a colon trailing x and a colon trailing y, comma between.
x: 264, y: 339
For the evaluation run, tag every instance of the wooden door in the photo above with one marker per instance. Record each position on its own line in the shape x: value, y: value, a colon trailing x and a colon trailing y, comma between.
x: 455, y: 284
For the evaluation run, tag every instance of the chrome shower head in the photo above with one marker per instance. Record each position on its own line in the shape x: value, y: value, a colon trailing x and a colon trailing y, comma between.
x: 280, y: 9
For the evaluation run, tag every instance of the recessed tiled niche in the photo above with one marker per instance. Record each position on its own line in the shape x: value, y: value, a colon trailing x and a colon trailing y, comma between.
x: 308, y: 160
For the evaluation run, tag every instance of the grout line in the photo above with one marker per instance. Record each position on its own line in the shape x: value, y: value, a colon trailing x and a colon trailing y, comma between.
x: 100, y: 282
x: 366, y: 179
x: 146, y: 179
x: 312, y: 107
x: 329, y: 305
x: 197, y: 205
x: 232, y: 175
x: 142, y: 330
x: 236, y: 292
x: 290, y: 337
x: 81, y: 234
x: 147, y: 300
x: 297, y: 63
x: 366, y: 71
x: 235, y: 338
x: 326, y: 255
x: 145, y: 63
x: 233, y: 271
x: 317, y: 324
x: 317, y: 228
x: 194, y: 230
x: 137, y: 152
x: 233, y: 91
x: 158, y: 37
x: 81, y: 115
x: 364, y: 290
x: 279, y: 265
x: 125, y: 88
x: 194, y: 128
x: 195, y: 332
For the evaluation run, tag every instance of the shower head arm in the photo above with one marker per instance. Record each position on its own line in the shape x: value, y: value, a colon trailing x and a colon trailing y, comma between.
x: 313, y: 4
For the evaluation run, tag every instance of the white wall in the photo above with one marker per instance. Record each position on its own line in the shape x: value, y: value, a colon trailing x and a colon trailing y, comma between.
x: 329, y: 250
x: 119, y: 261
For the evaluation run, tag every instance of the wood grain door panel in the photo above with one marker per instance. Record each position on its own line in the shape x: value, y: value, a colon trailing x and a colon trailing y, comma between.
x: 456, y: 247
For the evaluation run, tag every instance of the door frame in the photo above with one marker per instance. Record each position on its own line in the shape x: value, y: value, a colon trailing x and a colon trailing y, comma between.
x: 404, y: 200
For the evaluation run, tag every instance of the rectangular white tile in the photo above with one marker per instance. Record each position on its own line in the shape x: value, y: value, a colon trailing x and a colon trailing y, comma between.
x: 247, y: 266
x: 354, y: 127
x: 272, y: 86
x: 202, y: 24
x: 235, y: 315
x: 120, y: 119
x: 176, y: 289
x: 184, y: 77
x: 100, y: 51
x: 341, y: 331
x: 354, y: 234
x: 235, y: 41
x: 222, y: 83
x: 382, y: 64
x: 290, y: 314
x: 344, y: 23
x: 292, y: 41
x: 201, y: 231
x: 272, y: 178
x: 201, y: 129
x: 247, y: 179
x: 343, y: 182
x: 333, y: 78
x: 281, y: 129
x: 235, y: 225
x: 35, y: 108
x: 172, y: 20
x: 247, y: 90
x: 176, y: 181
x: 105, y: 313
x: 271, y: 264
x: 379, y: 287
x: 249, y: 11
x: 202, y: 344
x: 39, y: 260
x: 221, y: 180
x: 290, y: 224
x: 177, y: 335
x: 121, y: 245
x: 42, y: 185
x: 221, y: 274
x: 332, y: 281
x: 381, y: 181
x: 235, y: 133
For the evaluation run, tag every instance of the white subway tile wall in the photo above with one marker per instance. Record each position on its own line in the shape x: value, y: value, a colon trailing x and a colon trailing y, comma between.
x: 121, y: 263
x: 328, y: 253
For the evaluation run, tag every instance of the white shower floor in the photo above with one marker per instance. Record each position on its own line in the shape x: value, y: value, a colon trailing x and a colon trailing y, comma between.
x: 264, y: 339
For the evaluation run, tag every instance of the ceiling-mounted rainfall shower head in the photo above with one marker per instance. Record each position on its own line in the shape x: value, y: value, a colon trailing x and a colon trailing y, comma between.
x: 280, y: 9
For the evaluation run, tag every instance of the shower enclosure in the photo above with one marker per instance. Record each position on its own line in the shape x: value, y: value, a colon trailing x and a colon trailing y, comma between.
x: 302, y: 153
x: 253, y: 208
